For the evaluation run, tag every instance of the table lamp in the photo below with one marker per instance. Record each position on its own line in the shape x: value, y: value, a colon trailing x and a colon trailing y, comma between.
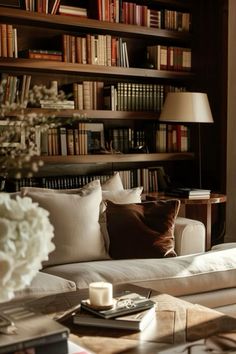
x: 188, y: 107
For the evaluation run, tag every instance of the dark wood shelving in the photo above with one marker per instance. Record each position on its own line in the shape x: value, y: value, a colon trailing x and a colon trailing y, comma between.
x: 28, y: 18
x: 90, y: 114
x: 116, y: 158
x: 45, y: 70
x: 20, y: 65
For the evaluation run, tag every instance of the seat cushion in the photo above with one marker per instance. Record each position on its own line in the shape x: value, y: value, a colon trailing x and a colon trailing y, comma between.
x: 44, y: 284
x: 177, y: 276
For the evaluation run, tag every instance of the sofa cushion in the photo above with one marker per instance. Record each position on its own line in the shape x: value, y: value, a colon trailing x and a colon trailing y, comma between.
x: 75, y: 218
x: 142, y: 230
x: 182, y: 275
x: 44, y: 284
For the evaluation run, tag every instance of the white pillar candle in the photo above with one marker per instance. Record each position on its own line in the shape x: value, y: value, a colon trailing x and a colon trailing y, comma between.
x: 100, y: 294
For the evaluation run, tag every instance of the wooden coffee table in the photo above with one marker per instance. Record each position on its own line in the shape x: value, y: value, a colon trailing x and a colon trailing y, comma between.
x: 177, y: 322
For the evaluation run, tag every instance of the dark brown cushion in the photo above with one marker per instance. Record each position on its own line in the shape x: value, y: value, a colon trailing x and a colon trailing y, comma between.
x: 142, y: 230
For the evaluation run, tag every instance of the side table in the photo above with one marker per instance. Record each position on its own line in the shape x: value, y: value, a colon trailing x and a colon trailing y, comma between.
x: 198, y: 209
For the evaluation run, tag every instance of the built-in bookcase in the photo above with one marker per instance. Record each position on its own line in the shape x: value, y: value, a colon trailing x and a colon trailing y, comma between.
x: 114, y: 64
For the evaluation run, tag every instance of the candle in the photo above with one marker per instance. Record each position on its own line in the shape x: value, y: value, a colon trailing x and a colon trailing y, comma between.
x: 100, y: 294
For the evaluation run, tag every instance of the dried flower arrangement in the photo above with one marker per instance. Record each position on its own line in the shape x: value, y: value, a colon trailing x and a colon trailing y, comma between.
x: 18, y: 141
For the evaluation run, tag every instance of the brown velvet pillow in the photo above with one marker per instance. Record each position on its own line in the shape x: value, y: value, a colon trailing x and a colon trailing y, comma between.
x: 142, y: 230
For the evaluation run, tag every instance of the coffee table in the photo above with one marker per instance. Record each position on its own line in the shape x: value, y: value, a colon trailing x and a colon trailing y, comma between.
x: 177, y: 322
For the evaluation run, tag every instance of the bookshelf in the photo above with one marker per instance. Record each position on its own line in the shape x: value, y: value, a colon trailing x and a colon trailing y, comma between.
x: 45, y: 29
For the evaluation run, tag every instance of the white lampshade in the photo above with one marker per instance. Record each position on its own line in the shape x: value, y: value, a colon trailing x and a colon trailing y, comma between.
x: 186, y: 107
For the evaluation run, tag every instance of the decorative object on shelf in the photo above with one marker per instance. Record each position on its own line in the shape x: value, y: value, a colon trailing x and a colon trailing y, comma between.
x: 188, y: 107
x: 25, y: 241
x: 19, y: 140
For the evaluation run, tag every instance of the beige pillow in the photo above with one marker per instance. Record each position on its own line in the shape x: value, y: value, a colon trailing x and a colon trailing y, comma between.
x: 125, y: 196
x: 90, y: 185
x: 75, y: 218
x: 114, y: 183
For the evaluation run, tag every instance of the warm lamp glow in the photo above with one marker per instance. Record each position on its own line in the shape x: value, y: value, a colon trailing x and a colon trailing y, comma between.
x: 186, y: 107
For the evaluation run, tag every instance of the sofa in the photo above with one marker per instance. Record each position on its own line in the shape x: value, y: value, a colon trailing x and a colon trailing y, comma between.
x: 104, y: 232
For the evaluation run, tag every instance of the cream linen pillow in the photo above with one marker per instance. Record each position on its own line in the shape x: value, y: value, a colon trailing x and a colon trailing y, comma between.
x: 125, y: 196
x: 113, y: 184
x: 82, y: 190
x: 75, y: 218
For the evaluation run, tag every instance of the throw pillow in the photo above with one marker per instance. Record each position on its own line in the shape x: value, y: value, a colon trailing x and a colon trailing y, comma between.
x: 114, y: 183
x: 82, y: 190
x: 142, y: 230
x: 125, y: 196
x: 75, y: 218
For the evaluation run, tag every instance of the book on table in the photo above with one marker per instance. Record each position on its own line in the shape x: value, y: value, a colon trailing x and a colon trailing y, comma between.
x: 135, y: 321
x: 33, y: 331
x: 186, y: 192
x: 123, y: 305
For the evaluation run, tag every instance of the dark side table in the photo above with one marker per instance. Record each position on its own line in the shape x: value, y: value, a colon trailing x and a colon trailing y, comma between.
x: 197, y: 209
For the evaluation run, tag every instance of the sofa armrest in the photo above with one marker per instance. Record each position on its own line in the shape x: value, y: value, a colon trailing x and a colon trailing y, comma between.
x: 189, y: 236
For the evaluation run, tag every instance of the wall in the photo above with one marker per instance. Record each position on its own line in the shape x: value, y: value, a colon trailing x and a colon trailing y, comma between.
x: 231, y: 131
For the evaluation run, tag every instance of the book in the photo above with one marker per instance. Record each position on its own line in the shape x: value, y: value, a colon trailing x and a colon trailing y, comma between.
x: 33, y: 330
x: 135, y: 321
x: 186, y: 192
x: 128, y: 303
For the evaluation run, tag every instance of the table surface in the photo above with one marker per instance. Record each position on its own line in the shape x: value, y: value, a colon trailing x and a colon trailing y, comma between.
x: 177, y: 322
x: 214, y: 198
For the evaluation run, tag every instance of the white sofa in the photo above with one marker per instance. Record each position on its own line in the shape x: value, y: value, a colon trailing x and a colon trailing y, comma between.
x: 81, y: 256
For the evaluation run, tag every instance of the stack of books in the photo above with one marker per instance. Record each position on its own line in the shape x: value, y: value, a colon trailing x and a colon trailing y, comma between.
x: 25, y: 330
x: 130, y: 311
x: 191, y: 193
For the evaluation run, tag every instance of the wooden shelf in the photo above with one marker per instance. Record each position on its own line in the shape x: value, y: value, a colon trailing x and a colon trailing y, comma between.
x: 28, y: 18
x: 116, y: 158
x: 49, y: 66
x: 87, y: 115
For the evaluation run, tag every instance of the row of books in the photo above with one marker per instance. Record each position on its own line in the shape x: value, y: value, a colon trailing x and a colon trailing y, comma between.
x: 172, y: 138
x: 95, y: 49
x: 89, y: 138
x: 170, y: 58
x: 42, y: 6
x: 141, y: 15
x: 15, y: 89
x: 149, y: 178
x: 92, y: 95
x: 137, y: 96
x: 166, y: 138
x: 117, y: 11
x: 54, y: 182
x: 125, y: 139
x: 88, y: 95
x: 8, y: 41
x: 86, y: 138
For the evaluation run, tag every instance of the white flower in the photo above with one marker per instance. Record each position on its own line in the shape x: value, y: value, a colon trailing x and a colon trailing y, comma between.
x: 25, y: 242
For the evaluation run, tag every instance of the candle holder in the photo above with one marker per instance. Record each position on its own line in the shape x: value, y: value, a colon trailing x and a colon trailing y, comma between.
x: 100, y: 296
